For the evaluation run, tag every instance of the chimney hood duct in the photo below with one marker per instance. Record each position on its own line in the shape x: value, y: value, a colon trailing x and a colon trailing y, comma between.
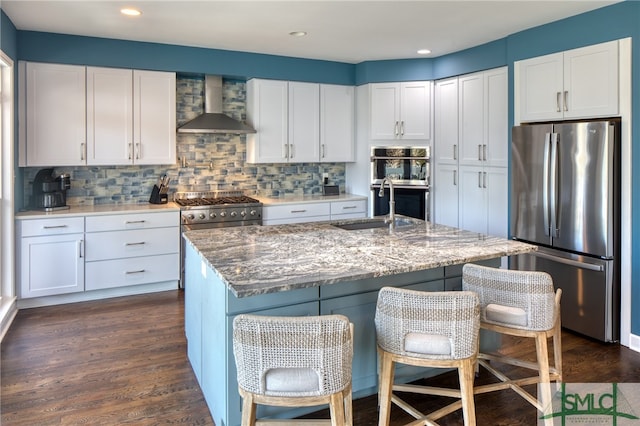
x: 213, y: 120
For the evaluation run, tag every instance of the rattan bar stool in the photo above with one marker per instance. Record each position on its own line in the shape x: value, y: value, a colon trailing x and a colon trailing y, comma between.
x: 427, y: 329
x: 294, y: 362
x: 523, y: 304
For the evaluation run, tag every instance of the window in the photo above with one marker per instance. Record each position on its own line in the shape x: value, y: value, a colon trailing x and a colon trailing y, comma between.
x: 7, y: 233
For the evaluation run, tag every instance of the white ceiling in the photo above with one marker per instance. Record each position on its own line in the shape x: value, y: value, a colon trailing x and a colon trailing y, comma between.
x: 345, y: 31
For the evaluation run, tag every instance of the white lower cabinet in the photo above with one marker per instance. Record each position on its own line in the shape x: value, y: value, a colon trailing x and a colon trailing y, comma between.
x: 65, y: 255
x: 50, y: 256
x: 313, y: 211
x: 132, y: 249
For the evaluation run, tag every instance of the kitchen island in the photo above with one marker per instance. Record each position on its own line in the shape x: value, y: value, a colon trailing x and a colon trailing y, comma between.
x: 313, y: 269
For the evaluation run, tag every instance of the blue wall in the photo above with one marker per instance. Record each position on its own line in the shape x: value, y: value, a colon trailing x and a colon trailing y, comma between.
x: 617, y: 21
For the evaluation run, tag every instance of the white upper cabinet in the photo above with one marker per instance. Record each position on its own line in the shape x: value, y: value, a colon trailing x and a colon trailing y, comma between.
x: 304, y: 122
x: 154, y: 117
x: 337, y: 118
x: 76, y: 115
x: 401, y: 111
x: 130, y: 117
x: 267, y: 112
x: 578, y: 83
x: 109, y: 116
x: 299, y: 122
x: 53, y: 132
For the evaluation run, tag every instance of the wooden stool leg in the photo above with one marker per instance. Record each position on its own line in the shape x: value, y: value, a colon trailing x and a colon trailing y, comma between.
x: 385, y: 386
x: 466, y: 373
x: 348, y: 407
x: 248, y: 410
x: 543, y: 366
x: 557, y: 349
x: 336, y: 407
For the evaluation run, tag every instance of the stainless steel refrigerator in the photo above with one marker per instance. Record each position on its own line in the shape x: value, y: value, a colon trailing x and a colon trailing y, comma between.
x: 565, y: 198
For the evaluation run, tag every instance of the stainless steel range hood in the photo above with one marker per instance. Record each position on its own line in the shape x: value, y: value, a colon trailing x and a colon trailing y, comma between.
x: 213, y: 120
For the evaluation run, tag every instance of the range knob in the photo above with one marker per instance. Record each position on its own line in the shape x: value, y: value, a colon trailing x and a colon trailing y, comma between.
x: 223, y: 214
x: 213, y: 215
x: 243, y: 213
x: 253, y: 212
x: 234, y: 214
x: 190, y: 216
x: 201, y: 216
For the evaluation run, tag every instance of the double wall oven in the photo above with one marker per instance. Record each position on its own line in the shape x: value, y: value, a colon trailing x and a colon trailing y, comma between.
x: 409, y: 170
x: 221, y: 209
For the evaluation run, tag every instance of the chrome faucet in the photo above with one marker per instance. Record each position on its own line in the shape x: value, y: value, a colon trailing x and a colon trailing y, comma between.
x: 392, y: 202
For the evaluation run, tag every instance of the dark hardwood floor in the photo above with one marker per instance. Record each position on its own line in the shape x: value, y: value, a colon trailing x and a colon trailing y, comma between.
x: 123, y: 361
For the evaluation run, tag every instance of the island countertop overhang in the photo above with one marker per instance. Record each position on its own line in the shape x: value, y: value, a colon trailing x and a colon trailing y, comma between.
x: 254, y: 260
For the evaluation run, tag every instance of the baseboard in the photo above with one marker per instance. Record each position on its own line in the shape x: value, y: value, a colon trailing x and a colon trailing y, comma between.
x: 8, y: 311
x: 85, y: 296
x: 634, y: 342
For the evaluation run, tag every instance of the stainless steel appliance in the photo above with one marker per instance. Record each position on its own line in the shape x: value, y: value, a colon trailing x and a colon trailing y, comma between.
x: 50, y: 192
x: 408, y: 167
x: 205, y: 210
x: 565, y: 197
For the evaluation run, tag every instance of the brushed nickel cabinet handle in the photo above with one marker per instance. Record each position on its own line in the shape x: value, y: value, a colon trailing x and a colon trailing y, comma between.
x: 455, y: 177
x: 455, y: 151
x: 479, y: 152
x: 566, y: 100
x: 479, y: 179
x: 484, y: 152
x: 402, y: 128
x: 141, y: 243
x: 558, y: 108
x: 140, y: 271
x: 82, y: 149
x: 54, y: 226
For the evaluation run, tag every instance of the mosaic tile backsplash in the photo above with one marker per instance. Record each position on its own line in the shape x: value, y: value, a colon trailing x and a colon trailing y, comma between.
x: 212, y: 162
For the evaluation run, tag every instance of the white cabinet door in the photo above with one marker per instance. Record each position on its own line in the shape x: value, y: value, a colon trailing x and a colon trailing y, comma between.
x: 496, y: 88
x: 539, y: 83
x: 109, y: 116
x: 154, y: 117
x: 446, y: 122
x: 267, y: 112
x: 591, y: 81
x: 337, y: 118
x: 385, y: 110
x: 472, y: 200
x: 415, y: 110
x: 51, y: 265
x: 471, y: 119
x: 304, y: 122
x: 445, y: 189
x: 497, y: 193
x: 55, y: 115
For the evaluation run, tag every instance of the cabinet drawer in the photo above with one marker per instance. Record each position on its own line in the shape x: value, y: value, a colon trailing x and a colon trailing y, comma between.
x: 295, y: 211
x: 133, y: 243
x: 57, y: 226
x: 348, y: 207
x: 132, y: 221
x: 127, y: 272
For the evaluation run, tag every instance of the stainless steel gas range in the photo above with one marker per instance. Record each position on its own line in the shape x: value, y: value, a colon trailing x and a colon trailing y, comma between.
x: 205, y: 210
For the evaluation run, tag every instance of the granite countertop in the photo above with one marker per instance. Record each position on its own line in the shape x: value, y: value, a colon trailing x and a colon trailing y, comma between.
x: 300, y: 199
x: 253, y: 260
x: 98, y: 209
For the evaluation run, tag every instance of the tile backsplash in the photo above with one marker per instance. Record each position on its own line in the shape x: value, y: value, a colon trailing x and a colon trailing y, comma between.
x: 206, y: 162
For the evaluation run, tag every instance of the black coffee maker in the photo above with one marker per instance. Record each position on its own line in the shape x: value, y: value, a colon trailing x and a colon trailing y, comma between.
x: 50, y: 192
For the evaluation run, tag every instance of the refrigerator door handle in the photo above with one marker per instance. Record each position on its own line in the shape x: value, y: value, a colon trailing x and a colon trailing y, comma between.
x: 575, y: 263
x: 545, y: 183
x: 553, y: 186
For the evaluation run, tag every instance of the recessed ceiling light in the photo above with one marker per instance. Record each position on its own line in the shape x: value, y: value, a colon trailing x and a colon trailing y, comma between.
x: 424, y: 52
x: 298, y: 33
x: 129, y: 11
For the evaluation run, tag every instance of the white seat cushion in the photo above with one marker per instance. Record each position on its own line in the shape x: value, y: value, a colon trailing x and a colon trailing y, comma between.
x: 506, y: 314
x: 428, y: 344
x: 291, y: 380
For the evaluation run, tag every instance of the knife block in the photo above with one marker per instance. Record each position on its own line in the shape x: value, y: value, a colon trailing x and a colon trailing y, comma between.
x: 157, y: 197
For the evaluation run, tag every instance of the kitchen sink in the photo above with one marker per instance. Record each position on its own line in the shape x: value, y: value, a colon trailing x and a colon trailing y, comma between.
x: 372, y: 224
